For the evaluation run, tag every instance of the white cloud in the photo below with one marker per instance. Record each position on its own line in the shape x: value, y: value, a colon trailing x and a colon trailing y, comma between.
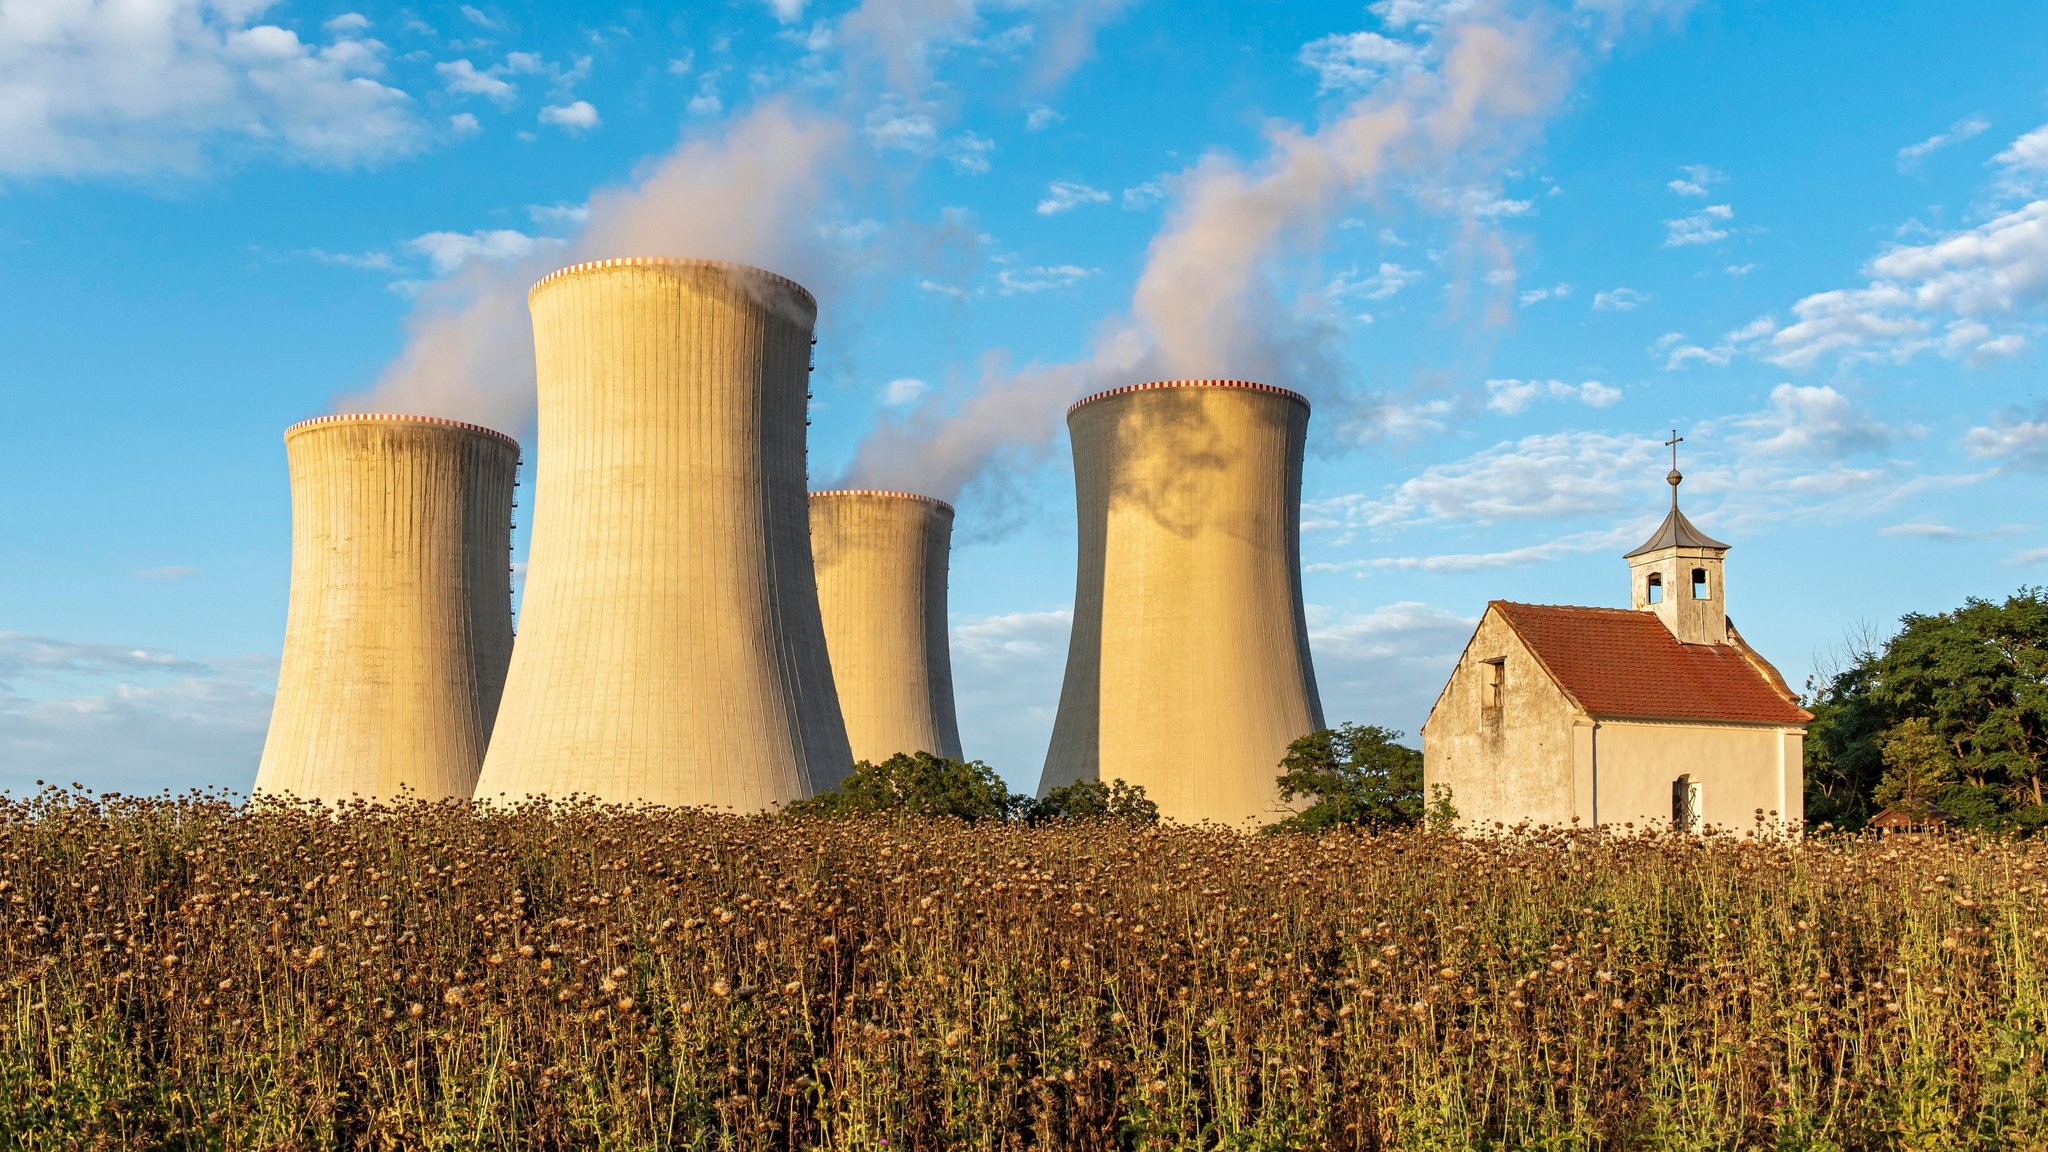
x: 956, y: 291
x: 561, y: 212
x: 1513, y: 396
x: 347, y: 24
x: 1702, y: 227
x: 1538, y: 295
x: 1697, y: 179
x: 1993, y: 273
x: 464, y: 79
x: 786, y: 11
x: 1620, y: 300
x: 1813, y: 423
x: 464, y: 124
x: 1677, y: 353
x: 89, y: 89
x: 2016, y: 437
x: 998, y: 662
x: 1041, y: 278
x: 448, y: 251
x: 1419, y: 13
x: 706, y: 102
x: 576, y: 116
x: 1921, y: 531
x: 897, y: 393
x: 1739, y: 270
x: 1066, y: 195
x: 1384, y: 666
x: 969, y: 153
x: 903, y: 131
x: 366, y: 261
x: 1144, y: 195
x: 129, y: 719
x: 1957, y: 132
x: 1387, y: 280
x: 1570, y: 544
x: 1040, y: 118
x: 2025, y: 162
x: 477, y: 17
x: 1352, y: 60
x: 1537, y: 477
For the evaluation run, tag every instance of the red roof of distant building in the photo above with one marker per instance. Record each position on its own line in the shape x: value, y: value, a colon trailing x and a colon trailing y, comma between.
x: 1622, y: 663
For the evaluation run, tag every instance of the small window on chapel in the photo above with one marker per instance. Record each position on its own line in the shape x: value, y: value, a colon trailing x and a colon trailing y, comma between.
x: 1699, y: 583
x: 1494, y: 685
x: 1653, y: 587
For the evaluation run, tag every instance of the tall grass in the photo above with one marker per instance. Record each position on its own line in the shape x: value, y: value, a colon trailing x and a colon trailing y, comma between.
x: 194, y: 974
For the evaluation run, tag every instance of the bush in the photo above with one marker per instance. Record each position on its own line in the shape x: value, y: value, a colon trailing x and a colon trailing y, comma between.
x: 1356, y: 774
x: 1093, y: 800
x: 916, y: 784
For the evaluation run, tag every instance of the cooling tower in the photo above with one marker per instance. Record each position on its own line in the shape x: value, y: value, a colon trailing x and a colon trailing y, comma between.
x: 670, y: 649
x: 881, y: 560
x: 400, y: 621
x: 1188, y: 672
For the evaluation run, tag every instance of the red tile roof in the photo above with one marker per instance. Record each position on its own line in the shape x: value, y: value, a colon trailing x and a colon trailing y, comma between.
x: 1621, y: 663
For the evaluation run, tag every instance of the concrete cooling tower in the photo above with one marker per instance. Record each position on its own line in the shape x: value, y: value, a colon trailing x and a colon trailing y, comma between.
x: 881, y: 560
x: 670, y: 649
x: 400, y: 620
x: 1188, y: 672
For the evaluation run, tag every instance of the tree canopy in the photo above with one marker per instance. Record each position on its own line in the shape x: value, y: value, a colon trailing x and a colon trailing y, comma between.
x: 916, y: 784
x: 1354, y: 774
x: 921, y: 784
x: 1950, y: 713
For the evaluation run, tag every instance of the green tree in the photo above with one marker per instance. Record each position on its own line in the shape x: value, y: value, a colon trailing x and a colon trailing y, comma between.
x: 1355, y: 774
x: 1978, y: 676
x: 1093, y: 800
x: 1917, y: 768
x: 916, y: 784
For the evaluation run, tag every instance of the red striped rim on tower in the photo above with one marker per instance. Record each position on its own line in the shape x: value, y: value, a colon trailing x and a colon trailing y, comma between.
x: 1243, y: 385
x: 883, y: 492
x: 393, y: 418
x: 669, y: 261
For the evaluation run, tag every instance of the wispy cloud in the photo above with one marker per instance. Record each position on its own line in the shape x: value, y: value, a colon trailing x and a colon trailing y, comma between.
x: 1355, y: 60
x: 1041, y: 278
x: 1961, y: 130
x: 1702, y: 227
x: 1067, y: 195
x: 1513, y: 396
x: 1619, y: 300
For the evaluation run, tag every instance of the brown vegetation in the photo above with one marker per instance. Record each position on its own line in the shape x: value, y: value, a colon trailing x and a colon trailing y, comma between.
x: 193, y: 974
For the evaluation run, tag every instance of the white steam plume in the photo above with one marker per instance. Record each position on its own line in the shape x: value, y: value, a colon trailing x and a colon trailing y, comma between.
x: 747, y: 194
x: 1211, y: 301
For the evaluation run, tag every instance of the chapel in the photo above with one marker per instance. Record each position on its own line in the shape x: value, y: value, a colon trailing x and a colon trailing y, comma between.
x: 1653, y: 716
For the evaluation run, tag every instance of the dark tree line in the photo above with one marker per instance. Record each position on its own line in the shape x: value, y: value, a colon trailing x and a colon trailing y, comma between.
x: 1947, y: 718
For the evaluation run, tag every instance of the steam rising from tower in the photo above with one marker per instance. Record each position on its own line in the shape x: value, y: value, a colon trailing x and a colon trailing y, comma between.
x: 670, y: 647
x: 1188, y: 672
x: 400, y: 622
x: 881, y: 559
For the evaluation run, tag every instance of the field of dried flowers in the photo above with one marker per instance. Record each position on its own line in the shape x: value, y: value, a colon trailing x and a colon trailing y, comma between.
x: 194, y: 974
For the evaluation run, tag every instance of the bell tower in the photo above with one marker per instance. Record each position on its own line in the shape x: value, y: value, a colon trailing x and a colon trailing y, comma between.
x: 1676, y: 573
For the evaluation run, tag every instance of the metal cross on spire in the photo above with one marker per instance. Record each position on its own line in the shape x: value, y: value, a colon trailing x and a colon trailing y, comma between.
x: 1675, y: 475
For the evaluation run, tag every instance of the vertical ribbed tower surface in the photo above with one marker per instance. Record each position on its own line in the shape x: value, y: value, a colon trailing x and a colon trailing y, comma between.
x: 400, y: 622
x: 881, y: 560
x: 1188, y: 671
x: 670, y: 649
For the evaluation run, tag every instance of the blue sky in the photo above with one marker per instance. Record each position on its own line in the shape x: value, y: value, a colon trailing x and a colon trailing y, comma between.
x: 1502, y: 246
